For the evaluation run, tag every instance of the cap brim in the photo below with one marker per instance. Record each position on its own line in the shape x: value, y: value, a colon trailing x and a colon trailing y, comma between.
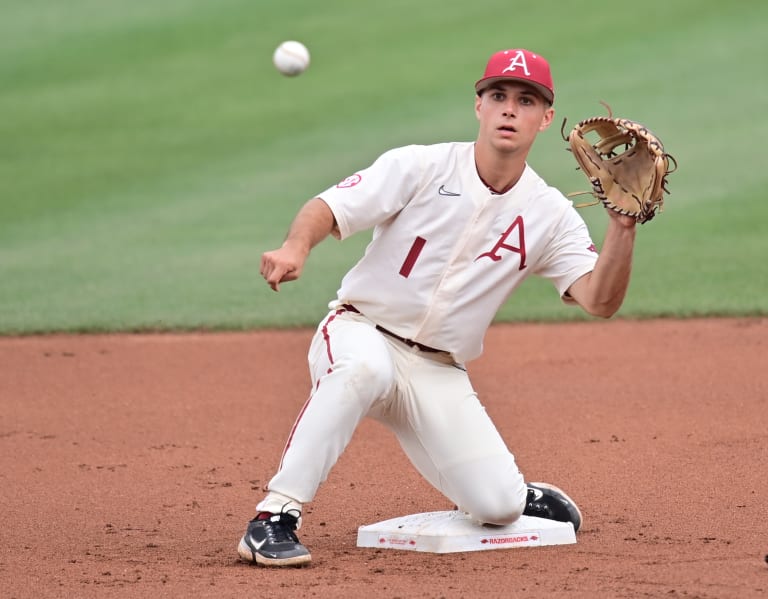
x: 543, y: 91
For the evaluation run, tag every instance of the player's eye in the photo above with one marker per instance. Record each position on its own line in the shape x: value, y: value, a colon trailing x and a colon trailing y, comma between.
x: 498, y: 96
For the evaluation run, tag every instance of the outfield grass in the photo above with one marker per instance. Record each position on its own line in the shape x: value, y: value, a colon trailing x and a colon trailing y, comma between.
x: 150, y: 153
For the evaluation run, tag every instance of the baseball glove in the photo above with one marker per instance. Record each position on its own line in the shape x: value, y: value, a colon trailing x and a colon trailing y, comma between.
x: 626, y: 165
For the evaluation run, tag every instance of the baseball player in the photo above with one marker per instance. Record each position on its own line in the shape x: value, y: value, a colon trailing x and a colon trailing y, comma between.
x: 456, y: 228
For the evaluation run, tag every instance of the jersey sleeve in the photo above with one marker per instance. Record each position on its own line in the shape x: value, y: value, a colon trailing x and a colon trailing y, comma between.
x: 376, y: 193
x: 570, y: 255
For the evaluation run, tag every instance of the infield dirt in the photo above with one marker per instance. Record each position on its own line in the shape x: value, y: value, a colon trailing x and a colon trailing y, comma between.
x: 130, y: 465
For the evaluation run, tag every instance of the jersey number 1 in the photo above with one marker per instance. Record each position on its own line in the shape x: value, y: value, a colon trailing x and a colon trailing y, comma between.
x: 413, y: 254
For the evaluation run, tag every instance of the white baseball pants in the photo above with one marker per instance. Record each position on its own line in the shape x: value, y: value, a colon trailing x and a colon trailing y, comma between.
x: 424, y: 398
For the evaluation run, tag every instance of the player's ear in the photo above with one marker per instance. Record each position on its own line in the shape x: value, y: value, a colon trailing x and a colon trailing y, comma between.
x: 478, y: 101
x: 546, y: 121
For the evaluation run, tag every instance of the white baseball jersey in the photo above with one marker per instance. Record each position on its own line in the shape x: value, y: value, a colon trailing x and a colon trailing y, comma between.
x: 447, y: 252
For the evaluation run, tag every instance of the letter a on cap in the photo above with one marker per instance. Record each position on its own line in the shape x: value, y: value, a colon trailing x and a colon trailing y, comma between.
x: 518, y: 60
x: 514, y: 64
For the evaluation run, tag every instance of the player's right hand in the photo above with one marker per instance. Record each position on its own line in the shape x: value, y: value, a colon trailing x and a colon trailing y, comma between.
x: 281, y: 265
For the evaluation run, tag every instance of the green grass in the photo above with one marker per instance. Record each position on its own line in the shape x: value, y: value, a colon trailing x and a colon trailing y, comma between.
x: 149, y: 153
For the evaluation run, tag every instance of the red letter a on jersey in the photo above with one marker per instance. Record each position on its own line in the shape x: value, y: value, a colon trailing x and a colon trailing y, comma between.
x: 501, y: 244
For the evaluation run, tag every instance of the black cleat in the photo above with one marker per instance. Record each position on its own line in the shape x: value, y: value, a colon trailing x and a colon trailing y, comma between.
x: 270, y: 540
x: 547, y: 501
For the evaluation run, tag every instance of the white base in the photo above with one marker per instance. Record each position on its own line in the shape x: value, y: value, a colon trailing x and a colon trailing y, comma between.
x: 449, y: 532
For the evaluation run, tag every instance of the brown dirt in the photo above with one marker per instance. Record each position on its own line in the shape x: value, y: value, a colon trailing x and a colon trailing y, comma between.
x: 129, y: 465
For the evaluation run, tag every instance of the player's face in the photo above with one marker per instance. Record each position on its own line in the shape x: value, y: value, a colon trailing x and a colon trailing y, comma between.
x: 511, y: 114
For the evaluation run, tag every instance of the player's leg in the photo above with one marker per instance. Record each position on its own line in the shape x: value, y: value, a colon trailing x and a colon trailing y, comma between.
x: 452, y: 441
x: 351, y: 368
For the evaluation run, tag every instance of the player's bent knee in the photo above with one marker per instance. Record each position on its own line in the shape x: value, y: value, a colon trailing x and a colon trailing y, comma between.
x: 491, y: 490
x: 497, y: 510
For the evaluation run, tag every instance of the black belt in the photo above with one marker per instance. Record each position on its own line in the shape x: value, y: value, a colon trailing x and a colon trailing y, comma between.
x: 408, y: 342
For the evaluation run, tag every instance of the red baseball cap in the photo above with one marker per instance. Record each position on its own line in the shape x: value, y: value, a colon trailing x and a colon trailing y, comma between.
x: 521, y: 65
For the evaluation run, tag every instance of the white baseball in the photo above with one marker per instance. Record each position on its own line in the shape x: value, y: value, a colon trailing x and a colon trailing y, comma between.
x: 291, y: 58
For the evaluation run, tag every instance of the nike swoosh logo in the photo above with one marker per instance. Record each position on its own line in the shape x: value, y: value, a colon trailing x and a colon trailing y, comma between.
x: 444, y: 192
x: 257, y: 546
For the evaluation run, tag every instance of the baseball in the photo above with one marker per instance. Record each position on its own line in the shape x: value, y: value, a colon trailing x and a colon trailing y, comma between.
x: 291, y: 58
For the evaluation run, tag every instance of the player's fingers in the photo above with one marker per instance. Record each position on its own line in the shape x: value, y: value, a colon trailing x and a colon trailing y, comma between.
x: 265, y: 267
x: 280, y: 275
x: 277, y: 268
x: 271, y: 270
x: 273, y: 277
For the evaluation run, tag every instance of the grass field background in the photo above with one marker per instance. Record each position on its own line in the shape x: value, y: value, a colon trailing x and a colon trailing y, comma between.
x: 149, y: 152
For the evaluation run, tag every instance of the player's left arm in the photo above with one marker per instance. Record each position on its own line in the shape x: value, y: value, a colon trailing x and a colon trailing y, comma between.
x: 602, y: 291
